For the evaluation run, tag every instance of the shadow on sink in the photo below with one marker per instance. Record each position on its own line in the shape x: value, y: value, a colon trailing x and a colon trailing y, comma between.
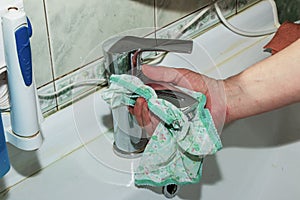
x: 256, y: 137
x: 272, y: 129
x: 226, y: 173
x: 211, y: 175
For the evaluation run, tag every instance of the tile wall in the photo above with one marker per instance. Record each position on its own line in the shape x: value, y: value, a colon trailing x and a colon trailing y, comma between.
x: 67, y: 37
x: 288, y: 10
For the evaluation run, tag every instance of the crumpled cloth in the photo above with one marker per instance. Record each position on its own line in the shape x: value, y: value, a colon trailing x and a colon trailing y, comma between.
x: 286, y: 34
x: 175, y: 151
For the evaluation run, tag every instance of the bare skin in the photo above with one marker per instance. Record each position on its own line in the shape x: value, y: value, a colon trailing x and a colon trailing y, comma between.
x: 265, y: 86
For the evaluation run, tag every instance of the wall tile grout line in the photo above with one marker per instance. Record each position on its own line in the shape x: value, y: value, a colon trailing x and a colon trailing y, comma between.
x: 62, y: 80
x: 155, y: 17
x: 71, y: 72
x: 50, y: 52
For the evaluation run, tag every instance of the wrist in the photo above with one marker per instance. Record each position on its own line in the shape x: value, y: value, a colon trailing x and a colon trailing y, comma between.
x: 233, y: 94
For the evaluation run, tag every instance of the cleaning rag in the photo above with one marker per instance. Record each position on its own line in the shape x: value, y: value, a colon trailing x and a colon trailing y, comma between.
x: 175, y: 151
x: 286, y: 34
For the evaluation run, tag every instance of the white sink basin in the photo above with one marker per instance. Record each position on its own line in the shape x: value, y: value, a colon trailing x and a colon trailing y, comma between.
x: 258, y: 158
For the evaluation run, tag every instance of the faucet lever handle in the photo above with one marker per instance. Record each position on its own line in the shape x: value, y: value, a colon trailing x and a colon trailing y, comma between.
x: 132, y: 43
x: 123, y: 54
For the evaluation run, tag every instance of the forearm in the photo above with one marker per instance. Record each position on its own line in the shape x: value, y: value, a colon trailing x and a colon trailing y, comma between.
x: 267, y: 85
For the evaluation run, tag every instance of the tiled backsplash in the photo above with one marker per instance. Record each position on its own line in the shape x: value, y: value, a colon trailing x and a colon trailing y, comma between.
x: 288, y: 10
x: 67, y: 38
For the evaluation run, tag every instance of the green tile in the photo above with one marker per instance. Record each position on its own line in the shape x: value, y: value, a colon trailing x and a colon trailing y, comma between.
x: 242, y: 4
x: 288, y: 10
x: 169, y: 10
x: 78, y: 27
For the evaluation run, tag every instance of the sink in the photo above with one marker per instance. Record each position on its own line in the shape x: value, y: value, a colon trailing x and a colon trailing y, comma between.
x: 258, y: 158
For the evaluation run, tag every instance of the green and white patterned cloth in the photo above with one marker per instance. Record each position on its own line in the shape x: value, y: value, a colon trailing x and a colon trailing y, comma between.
x: 175, y: 152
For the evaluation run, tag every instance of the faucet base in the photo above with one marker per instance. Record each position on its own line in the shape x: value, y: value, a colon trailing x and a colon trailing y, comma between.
x: 125, y: 154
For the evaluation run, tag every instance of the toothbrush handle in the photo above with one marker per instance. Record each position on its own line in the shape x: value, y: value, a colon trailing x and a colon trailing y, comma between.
x: 22, y: 91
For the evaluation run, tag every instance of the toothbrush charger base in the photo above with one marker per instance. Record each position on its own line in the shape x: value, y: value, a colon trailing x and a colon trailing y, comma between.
x: 25, y: 143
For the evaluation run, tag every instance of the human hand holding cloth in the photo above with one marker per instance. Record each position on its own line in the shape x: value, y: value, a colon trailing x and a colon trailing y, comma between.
x: 177, y: 147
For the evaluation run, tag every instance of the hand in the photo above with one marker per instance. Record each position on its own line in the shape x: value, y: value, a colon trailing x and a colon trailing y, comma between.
x: 213, y: 89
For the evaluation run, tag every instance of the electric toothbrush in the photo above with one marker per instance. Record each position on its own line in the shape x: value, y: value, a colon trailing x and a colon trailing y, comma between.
x: 17, y: 30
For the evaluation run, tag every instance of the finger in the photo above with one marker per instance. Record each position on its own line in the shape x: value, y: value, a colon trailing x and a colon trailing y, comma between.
x: 159, y: 73
x: 149, y: 120
x: 178, y: 76
x: 146, y: 118
x: 137, y: 110
x: 150, y: 127
x: 145, y: 114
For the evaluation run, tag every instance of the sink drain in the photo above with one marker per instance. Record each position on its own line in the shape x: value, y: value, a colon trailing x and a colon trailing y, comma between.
x: 170, y: 190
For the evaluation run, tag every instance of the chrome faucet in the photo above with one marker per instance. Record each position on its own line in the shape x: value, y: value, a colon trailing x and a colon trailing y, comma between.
x: 123, y: 55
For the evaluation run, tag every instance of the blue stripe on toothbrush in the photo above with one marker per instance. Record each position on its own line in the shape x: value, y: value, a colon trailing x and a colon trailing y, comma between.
x: 22, y: 35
